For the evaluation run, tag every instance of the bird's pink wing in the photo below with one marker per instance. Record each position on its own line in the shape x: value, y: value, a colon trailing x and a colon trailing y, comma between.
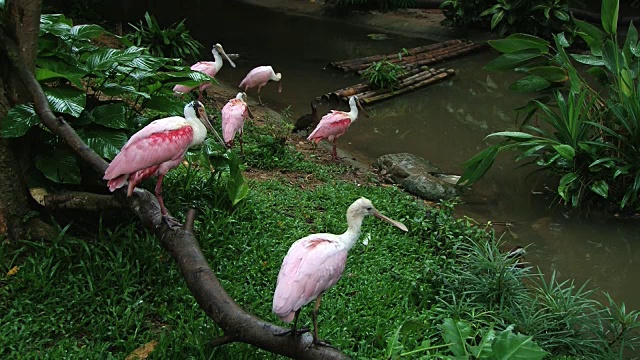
x: 205, y: 67
x: 257, y: 76
x: 333, y: 124
x: 312, y: 265
x: 158, y: 142
x: 233, y: 115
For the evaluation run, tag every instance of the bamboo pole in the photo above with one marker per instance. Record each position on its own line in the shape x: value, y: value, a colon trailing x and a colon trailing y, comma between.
x: 408, y: 82
x: 362, y: 87
x: 413, y: 51
x: 446, y: 56
x: 412, y: 59
x: 431, y: 80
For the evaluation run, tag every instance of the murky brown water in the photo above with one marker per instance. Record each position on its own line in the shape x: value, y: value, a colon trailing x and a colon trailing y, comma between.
x: 445, y: 123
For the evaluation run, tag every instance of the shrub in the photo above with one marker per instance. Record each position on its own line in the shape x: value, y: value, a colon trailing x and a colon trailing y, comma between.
x: 589, y: 138
x: 383, y: 74
x: 508, y: 16
x: 173, y: 42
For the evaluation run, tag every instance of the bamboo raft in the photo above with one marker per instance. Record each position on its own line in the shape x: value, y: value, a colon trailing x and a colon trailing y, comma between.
x: 411, y: 80
x: 417, y: 74
x: 415, y: 57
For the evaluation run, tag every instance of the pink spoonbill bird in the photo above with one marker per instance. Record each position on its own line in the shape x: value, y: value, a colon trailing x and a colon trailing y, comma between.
x: 315, y: 263
x: 335, y: 124
x: 158, y: 148
x: 233, y: 114
x: 259, y: 77
x: 210, y: 68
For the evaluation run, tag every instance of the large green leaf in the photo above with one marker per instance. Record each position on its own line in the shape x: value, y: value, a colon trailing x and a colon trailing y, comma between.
x: 517, y: 42
x: 566, y: 184
x: 513, y: 60
x: 592, y: 35
x: 18, y: 121
x: 588, y: 59
x: 456, y: 333
x: 168, y: 104
x: 630, y: 43
x: 612, y: 57
x: 609, y: 16
x: 59, y: 166
x: 517, y: 135
x: 478, y: 165
x: 483, y: 349
x: 600, y: 187
x: 105, y: 58
x: 89, y: 31
x: 105, y: 142
x: 112, y: 116
x: 530, y: 83
x: 70, y: 72
x: 113, y: 89
x: 550, y: 73
x: 66, y: 99
x: 565, y: 151
x: 510, y: 346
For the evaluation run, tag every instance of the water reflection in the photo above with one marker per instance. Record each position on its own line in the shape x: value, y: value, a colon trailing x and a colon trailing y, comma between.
x: 444, y: 123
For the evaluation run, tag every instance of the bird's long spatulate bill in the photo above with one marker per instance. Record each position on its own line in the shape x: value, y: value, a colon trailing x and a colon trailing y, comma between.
x: 366, y: 114
x: 397, y: 224
x: 228, y: 59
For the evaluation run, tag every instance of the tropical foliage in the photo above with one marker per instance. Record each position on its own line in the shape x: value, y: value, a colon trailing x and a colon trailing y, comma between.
x: 507, y: 16
x: 589, y: 137
x: 105, y: 94
x: 172, y: 42
x: 383, y: 74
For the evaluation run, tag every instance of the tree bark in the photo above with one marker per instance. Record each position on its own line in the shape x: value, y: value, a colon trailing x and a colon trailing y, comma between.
x: 22, y: 21
x: 237, y: 324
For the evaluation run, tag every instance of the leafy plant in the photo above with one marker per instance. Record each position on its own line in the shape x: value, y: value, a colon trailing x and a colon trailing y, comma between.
x: 508, y: 16
x: 173, y: 42
x: 589, y: 138
x: 383, y: 74
x: 102, y: 93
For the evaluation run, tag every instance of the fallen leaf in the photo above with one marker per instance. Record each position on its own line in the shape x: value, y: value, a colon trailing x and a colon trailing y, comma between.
x: 143, y: 351
x: 13, y: 271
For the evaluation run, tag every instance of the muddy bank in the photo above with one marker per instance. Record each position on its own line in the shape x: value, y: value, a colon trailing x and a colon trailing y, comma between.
x: 423, y: 23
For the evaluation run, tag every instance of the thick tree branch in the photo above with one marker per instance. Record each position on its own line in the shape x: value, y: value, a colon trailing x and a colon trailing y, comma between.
x: 77, y: 200
x: 181, y: 244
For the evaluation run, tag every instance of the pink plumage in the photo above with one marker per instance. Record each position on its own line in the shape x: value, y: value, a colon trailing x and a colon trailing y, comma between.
x: 158, y: 144
x: 331, y: 126
x: 335, y: 124
x: 313, y: 264
x: 156, y: 149
x: 259, y: 77
x: 234, y: 112
x: 210, y: 68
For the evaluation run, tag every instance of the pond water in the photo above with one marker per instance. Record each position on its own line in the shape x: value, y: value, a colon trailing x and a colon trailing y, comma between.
x: 444, y: 123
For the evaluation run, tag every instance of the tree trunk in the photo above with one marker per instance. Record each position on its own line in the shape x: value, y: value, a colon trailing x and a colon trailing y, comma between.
x: 22, y: 21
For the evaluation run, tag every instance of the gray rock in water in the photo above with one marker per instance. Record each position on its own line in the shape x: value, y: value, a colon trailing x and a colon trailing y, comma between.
x: 417, y: 176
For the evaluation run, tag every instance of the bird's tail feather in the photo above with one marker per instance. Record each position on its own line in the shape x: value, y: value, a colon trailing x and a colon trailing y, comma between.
x: 118, y: 182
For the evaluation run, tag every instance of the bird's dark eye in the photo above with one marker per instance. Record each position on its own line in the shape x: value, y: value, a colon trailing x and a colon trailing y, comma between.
x: 369, y: 208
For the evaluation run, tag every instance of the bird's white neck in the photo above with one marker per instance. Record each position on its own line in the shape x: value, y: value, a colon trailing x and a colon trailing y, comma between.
x: 349, y: 237
x: 199, y: 131
x: 217, y: 59
x: 353, y: 114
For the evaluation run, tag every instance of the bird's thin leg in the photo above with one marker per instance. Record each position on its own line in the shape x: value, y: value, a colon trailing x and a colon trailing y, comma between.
x: 170, y: 220
x: 315, y: 324
x: 334, y: 152
x: 294, y: 331
x: 259, y: 99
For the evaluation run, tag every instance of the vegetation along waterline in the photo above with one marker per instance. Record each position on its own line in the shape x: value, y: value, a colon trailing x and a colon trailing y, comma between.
x: 103, y: 285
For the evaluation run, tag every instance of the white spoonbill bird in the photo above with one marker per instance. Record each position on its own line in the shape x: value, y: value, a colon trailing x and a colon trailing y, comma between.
x: 259, y: 77
x: 210, y: 68
x: 233, y: 115
x: 158, y: 148
x: 335, y: 124
x: 315, y: 263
